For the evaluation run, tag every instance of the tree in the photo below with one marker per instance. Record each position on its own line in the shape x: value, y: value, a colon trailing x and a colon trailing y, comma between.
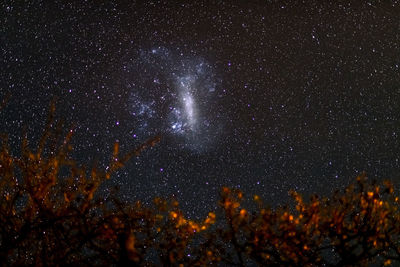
x: 51, y: 213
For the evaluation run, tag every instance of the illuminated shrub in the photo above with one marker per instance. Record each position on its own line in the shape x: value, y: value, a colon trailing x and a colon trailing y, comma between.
x: 51, y: 212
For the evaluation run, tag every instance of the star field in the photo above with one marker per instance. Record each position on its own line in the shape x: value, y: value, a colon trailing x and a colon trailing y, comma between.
x: 265, y: 96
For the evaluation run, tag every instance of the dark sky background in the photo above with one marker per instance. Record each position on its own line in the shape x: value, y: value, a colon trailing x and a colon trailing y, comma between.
x: 265, y: 96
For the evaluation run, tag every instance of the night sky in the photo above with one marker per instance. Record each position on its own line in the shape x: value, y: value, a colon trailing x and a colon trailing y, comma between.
x: 265, y: 96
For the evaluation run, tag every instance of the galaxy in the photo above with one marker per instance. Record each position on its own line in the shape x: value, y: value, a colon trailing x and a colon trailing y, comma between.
x: 174, y: 98
x: 261, y: 96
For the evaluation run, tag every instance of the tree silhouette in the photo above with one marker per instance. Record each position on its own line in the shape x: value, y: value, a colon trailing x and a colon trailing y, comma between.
x: 52, y: 213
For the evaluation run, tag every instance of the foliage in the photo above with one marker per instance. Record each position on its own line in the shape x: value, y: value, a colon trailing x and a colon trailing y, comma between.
x: 52, y: 214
